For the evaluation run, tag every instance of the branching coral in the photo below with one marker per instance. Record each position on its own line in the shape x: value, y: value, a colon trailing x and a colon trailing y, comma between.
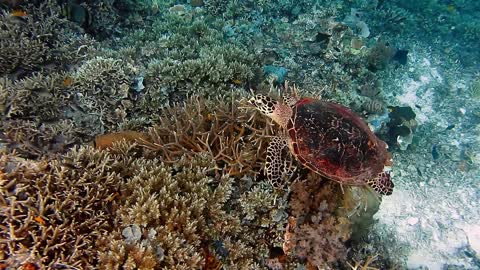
x: 214, y: 68
x: 41, y: 110
x: 32, y: 115
x: 180, y: 207
x: 38, y: 38
x: 236, y: 139
x: 36, y: 97
x: 187, y: 55
x: 52, y: 112
x: 187, y: 193
x: 52, y: 213
x: 101, y: 92
x: 212, y: 151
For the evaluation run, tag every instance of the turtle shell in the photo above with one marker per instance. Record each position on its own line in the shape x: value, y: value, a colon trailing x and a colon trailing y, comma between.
x: 331, y: 140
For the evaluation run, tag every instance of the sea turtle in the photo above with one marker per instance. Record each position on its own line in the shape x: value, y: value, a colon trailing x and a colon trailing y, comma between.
x: 327, y: 138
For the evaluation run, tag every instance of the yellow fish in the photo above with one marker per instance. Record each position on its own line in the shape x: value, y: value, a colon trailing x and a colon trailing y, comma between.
x: 18, y: 13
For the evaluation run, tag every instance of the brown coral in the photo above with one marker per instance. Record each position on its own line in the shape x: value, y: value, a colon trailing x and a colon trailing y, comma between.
x: 53, y: 212
x: 316, y: 233
x: 380, y: 55
x: 32, y: 115
x: 192, y: 184
x: 237, y: 139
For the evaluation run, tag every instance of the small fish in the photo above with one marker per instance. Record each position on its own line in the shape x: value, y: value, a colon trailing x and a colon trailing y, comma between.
x: 76, y: 13
x: 18, y: 13
x: 450, y: 127
x: 211, y: 261
x: 40, y: 220
x: 419, y: 172
x: 106, y: 141
x: 451, y: 8
x: 237, y: 81
x: 67, y: 81
x: 29, y: 266
x: 435, y: 151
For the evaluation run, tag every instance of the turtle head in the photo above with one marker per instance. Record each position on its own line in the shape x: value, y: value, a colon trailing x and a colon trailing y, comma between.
x: 279, y: 112
x: 264, y: 104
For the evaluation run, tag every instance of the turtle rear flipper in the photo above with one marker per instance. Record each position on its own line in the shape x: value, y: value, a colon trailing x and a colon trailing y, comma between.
x: 382, y: 183
x: 277, y: 167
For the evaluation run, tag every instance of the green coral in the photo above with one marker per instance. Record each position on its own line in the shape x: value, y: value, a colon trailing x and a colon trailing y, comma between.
x: 187, y: 54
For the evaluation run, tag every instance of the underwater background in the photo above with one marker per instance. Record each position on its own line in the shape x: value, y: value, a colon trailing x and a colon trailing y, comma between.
x: 127, y: 141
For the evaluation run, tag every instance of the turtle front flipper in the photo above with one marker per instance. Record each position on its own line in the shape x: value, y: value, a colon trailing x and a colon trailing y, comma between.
x: 277, y: 166
x: 382, y: 183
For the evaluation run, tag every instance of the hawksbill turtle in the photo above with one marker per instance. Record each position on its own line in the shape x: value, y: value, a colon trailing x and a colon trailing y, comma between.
x: 327, y: 138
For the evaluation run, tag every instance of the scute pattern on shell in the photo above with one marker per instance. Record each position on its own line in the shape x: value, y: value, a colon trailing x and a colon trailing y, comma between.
x: 331, y: 140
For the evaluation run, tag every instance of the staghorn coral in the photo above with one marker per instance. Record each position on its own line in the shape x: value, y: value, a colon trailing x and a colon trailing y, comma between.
x: 236, y: 139
x: 101, y: 94
x: 33, y: 140
x: 179, y: 207
x: 37, y: 97
x: 53, y: 212
x: 41, y: 37
x: 206, y: 146
x: 189, y: 192
x: 32, y: 112
x: 186, y: 54
x: 50, y: 113
x: 214, y: 68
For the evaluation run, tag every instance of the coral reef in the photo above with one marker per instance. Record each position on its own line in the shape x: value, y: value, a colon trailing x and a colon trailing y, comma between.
x: 178, y: 182
x: 53, y: 212
x: 38, y: 38
x: 102, y: 94
x: 52, y: 112
x: 32, y: 115
x: 315, y: 233
x: 187, y: 193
